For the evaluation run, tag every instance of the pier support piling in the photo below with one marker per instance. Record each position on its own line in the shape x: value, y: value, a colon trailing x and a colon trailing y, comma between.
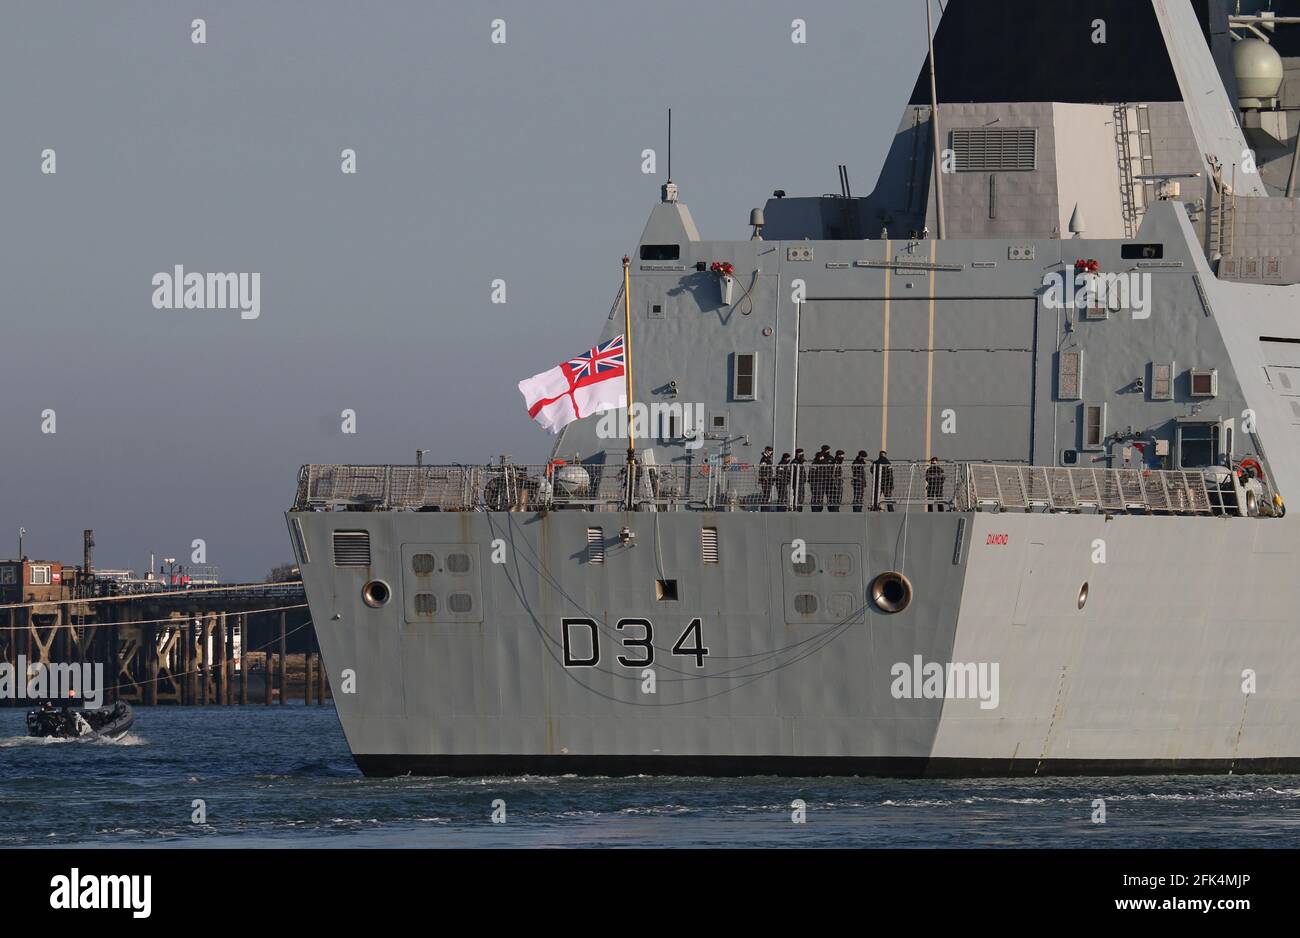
x: 223, y: 669
x: 151, y: 663
x: 243, y: 658
x: 269, y: 668
x: 284, y: 660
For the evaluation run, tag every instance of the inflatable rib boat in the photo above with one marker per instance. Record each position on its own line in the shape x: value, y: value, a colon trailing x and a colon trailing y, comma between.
x: 70, y: 723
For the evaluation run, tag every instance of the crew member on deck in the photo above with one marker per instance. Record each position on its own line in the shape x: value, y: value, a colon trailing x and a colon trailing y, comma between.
x: 783, y: 482
x: 859, y: 478
x: 821, y: 476
x: 884, y: 483
x: 934, y: 477
x: 800, y: 479
x: 835, y: 495
x: 765, y: 477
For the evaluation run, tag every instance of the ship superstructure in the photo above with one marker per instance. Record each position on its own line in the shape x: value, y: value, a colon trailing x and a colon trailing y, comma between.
x: 1059, y: 348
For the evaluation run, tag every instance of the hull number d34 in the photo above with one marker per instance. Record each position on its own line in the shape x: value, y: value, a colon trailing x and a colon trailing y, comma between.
x: 639, y: 638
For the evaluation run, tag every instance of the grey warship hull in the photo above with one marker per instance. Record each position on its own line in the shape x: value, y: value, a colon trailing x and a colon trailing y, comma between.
x: 1100, y: 579
x: 1126, y: 686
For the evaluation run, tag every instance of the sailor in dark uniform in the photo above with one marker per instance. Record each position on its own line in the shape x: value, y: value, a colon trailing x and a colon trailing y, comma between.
x: 817, y: 479
x: 765, y: 477
x: 783, y: 482
x: 884, y: 482
x: 823, y: 476
x: 800, y: 479
x: 934, y: 479
x: 835, y: 489
x: 859, y: 478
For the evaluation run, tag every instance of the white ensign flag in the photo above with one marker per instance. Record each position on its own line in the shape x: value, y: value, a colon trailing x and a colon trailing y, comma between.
x: 591, y: 383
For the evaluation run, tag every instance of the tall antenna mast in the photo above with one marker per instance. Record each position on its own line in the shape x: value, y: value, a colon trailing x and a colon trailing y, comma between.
x: 627, y: 350
x: 668, y: 191
x: 934, y: 122
x: 670, y: 144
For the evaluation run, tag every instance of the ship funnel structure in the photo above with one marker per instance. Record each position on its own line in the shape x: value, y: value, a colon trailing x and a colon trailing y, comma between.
x: 1259, y: 71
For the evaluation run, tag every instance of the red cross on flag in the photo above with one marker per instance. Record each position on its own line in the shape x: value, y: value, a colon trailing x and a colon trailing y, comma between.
x: 591, y: 383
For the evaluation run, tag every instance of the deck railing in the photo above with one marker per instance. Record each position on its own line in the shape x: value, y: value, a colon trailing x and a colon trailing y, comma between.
x: 731, y: 486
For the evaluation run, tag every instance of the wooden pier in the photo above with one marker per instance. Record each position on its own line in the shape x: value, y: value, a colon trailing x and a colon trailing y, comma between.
x: 219, y: 646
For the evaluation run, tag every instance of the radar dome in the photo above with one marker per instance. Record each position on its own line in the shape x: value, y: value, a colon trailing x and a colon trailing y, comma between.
x: 1259, y: 72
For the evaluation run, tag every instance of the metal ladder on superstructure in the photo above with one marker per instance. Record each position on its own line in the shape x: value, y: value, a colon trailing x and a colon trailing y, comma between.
x: 1130, y: 207
x: 1127, y: 197
x: 1222, y: 214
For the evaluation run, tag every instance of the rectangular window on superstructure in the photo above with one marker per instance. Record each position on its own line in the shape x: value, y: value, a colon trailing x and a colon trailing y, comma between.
x: 1204, y: 382
x: 742, y: 385
x: 40, y: 575
x: 661, y: 252
x: 1094, y: 425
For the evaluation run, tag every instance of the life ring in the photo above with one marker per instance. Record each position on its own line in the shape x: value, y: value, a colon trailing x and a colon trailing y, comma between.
x: 705, y: 469
x: 1252, y: 462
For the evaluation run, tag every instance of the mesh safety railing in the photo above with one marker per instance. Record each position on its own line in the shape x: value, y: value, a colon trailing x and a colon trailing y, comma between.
x: 736, y: 486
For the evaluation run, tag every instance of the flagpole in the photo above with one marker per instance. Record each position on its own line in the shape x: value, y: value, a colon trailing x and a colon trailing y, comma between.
x: 934, y: 125
x: 627, y: 347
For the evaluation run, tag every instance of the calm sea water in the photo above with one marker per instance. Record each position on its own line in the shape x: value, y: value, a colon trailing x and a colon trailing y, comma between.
x: 282, y: 777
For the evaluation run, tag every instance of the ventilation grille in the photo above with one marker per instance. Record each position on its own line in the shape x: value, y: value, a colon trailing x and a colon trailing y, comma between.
x: 423, y: 564
x: 995, y: 149
x: 595, y: 545
x: 709, y: 545
x: 806, y: 604
x: 458, y: 563
x: 1069, y: 379
x: 460, y: 603
x: 426, y: 604
x: 351, y: 548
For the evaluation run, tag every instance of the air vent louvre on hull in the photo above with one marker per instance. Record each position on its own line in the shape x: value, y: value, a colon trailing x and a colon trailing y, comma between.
x: 351, y: 548
x: 709, y: 545
x: 595, y: 545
